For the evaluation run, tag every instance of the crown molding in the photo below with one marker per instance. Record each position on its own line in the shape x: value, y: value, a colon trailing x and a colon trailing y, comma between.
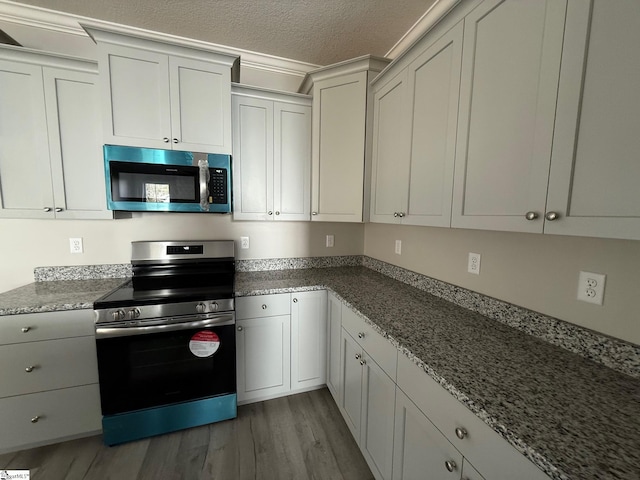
x: 425, y: 23
x: 60, y: 22
x: 354, y: 65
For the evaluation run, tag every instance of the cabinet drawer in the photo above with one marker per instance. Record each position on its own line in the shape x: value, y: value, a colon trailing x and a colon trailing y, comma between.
x: 379, y: 348
x: 52, y: 364
x: 61, y: 413
x: 31, y: 327
x: 263, y: 306
x: 483, y: 447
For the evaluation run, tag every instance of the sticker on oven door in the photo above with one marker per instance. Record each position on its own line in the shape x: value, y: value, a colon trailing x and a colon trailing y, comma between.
x: 204, y: 343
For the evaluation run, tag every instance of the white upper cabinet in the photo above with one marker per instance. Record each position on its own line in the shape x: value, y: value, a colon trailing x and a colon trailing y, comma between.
x: 341, y: 140
x: 413, y: 175
x: 593, y: 183
x: 158, y: 95
x: 271, y: 155
x: 50, y: 144
x: 510, y: 69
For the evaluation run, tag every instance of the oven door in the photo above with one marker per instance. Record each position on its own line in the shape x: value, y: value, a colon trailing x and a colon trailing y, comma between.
x: 162, y: 364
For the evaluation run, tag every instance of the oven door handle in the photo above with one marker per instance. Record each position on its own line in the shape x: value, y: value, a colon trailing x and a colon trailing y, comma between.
x: 127, y: 331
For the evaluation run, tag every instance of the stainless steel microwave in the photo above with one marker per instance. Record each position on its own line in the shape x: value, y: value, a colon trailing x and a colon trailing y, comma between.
x: 146, y: 179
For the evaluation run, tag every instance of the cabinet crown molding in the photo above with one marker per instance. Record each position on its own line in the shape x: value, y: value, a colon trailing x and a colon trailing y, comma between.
x: 47, y: 59
x: 270, y: 94
x: 364, y: 63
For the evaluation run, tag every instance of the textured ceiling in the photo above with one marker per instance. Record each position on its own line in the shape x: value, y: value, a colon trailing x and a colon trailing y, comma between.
x: 321, y: 32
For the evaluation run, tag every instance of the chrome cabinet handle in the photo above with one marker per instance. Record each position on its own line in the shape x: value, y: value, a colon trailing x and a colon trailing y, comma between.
x: 396, y: 214
x: 314, y: 213
x: 551, y: 216
x: 175, y: 140
x: 25, y: 329
x: 35, y: 419
x: 358, y: 356
x: 47, y: 209
x: 531, y: 215
x: 361, y: 335
x: 269, y: 212
x: 450, y: 465
x: 165, y: 140
x: 264, y: 307
x: 363, y: 362
x: 239, y: 329
x: 30, y: 368
x: 295, y: 300
x: 58, y: 209
x: 401, y: 214
x: 461, y: 433
x: 277, y: 213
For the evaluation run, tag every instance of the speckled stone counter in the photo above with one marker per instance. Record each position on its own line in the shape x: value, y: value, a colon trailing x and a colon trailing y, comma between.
x: 56, y: 295
x: 574, y: 418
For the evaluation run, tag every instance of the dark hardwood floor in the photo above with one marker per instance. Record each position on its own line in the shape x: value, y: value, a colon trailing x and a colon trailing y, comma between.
x: 297, y: 437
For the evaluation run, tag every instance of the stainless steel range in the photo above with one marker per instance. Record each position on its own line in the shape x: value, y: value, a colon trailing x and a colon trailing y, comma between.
x: 166, y: 341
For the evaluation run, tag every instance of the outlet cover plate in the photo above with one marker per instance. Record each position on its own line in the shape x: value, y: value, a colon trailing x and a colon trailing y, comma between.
x: 591, y: 287
x: 398, y: 248
x: 330, y: 241
x: 474, y: 263
x: 75, y: 245
x: 244, y: 242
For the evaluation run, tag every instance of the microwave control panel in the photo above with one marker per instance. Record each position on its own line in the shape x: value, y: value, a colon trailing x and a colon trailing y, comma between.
x: 218, y: 186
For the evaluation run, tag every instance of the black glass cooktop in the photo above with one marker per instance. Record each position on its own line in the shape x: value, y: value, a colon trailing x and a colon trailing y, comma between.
x: 126, y: 296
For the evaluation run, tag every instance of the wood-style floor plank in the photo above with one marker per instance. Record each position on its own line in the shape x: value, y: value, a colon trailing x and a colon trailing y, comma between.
x: 301, y: 437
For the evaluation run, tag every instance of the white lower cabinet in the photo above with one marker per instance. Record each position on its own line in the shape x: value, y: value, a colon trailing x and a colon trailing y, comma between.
x: 49, y: 380
x: 419, y: 447
x: 308, y: 339
x: 367, y: 399
x: 334, y: 332
x: 280, y: 344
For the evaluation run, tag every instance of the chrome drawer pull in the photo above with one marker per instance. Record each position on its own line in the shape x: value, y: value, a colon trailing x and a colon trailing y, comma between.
x: 25, y: 329
x: 30, y: 368
x: 358, y: 356
x: 363, y: 362
x: 461, y: 433
x: 450, y: 465
x: 361, y: 335
x: 264, y: 307
x: 35, y: 419
x: 239, y: 329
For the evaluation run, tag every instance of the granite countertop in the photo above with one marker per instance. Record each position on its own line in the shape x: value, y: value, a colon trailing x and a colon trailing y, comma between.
x: 574, y: 418
x: 57, y: 295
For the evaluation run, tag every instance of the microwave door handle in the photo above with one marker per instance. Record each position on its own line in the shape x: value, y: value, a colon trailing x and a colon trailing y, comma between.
x: 203, y: 165
x: 124, y: 331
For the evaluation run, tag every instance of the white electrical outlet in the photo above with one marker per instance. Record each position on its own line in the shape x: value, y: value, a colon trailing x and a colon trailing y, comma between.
x: 244, y: 242
x: 591, y: 287
x: 398, y: 247
x: 75, y: 245
x: 474, y: 263
x: 329, y: 241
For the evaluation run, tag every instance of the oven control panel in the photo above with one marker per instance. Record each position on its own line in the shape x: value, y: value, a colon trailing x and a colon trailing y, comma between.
x: 145, y: 312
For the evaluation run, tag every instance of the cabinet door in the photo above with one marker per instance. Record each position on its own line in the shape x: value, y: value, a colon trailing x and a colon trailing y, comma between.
x: 510, y: 69
x: 200, y: 106
x: 75, y: 144
x: 263, y: 357
x: 434, y: 80
x: 378, y: 407
x: 135, y: 97
x: 351, y: 383
x: 252, y: 158
x: 25, y: 176
x: 390, y: 165
x: 292, y: 161
x: 334, y: 329
x: 308, y: 339
x: 593, y: 184
x: 338, y: 151
x: 420, y: 450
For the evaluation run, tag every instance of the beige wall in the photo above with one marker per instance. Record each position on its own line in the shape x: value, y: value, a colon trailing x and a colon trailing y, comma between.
x: 539, y: 272
x: 25, y: 244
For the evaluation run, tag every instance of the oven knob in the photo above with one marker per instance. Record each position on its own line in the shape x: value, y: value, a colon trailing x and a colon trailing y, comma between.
x: 118, y: 314
x: 134, y: 313
x: 214, y: 306
x: 201, y: 307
